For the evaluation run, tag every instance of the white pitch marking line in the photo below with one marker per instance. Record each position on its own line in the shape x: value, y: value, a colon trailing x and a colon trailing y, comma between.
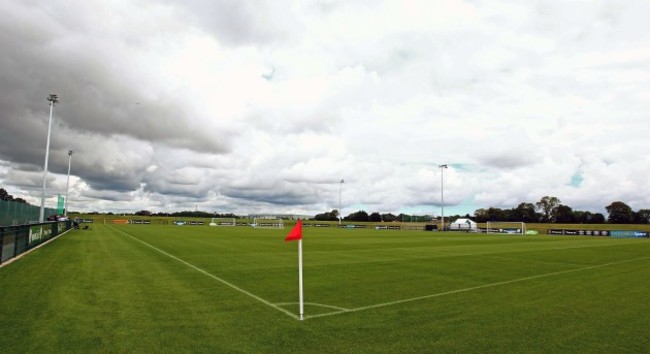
x: 472, y: 288
x: 214, y: 277
x: 385, y: 304
x: 314, y: 304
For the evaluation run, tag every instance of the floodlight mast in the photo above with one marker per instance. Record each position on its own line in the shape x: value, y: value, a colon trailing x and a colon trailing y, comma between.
x: 67, y: 186
x: 340, y: 188
x: 53, y: 99
x: 442, y: 197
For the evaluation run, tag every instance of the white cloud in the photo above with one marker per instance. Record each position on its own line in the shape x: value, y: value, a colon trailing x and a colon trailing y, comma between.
x: 265, y: 106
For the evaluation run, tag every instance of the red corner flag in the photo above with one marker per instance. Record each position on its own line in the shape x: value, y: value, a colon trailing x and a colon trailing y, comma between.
x: 295, y: 233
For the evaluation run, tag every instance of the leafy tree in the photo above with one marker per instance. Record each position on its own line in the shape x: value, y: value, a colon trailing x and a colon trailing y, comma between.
x: 619, y: 213
x: 143, y: 213
x: 550, y: 210
x: 583, y: 217
x: 642, y: 216
x: 492, y: 214
x: 525, y: 212
x: 598, y: 218
x: 20, y: 200
x: 388, y: 217
x: 195, y: 214
x: 357, y: 216
x: 547, y: 206
x: 374, y: 217
x: 564, y: 214
x: 4, y: 195
x: 497, y: 214
x: 480, y: 215
x: 407, y: 218
x: 327, y: 216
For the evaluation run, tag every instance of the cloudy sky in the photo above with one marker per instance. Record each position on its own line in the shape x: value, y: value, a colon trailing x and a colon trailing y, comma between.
x: 264, y: 106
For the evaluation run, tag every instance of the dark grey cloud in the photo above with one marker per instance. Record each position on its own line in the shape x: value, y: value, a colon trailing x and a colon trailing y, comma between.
x: 100, y: 179
x: 93, y: 99
x: 48, y: 51
x: 277, y: 196
x: 96, y: 91
x: 106, y: 195
x: 29, y: 180
x: 154, y: 184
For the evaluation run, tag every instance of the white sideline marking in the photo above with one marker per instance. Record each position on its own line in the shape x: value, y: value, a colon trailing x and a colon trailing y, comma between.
x: 385, y: 304
x: 213, y: 277
x: 472, y: 288
x: 314, y: 304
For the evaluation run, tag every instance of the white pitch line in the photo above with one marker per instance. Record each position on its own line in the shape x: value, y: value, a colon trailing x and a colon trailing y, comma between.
x: 214, y: 277
x: 314, y: 304
x: 472, y: 288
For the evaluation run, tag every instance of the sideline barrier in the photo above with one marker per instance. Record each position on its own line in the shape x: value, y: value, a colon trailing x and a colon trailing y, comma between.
x: 245, y: 223
x: 610, y: 233
x: 628, y: 233
x: 16, y: 240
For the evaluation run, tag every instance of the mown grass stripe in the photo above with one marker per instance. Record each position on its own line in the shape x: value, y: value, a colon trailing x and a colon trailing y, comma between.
x: 397, y: 302
x: 200, y: 270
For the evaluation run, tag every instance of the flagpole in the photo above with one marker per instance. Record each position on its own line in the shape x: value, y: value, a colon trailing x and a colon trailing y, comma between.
x: 302, y: 305
x: 296, y: 235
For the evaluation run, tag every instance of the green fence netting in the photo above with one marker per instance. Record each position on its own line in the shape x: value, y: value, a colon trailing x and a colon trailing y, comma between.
x: 15, y: 213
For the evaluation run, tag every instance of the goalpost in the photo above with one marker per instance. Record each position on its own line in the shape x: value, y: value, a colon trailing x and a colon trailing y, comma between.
x: 506, y: 227
x: 223, y: 222
x: 268, y: 223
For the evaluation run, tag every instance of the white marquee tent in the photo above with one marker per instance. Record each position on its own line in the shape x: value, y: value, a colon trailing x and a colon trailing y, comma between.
x: 463, y: 224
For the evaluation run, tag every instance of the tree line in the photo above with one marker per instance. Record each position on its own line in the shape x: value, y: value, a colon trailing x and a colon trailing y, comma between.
x: 8, y: 197
x: 551, y: 210
x: 187, y: 214
x: 546, y: 210
x: 362, y: 215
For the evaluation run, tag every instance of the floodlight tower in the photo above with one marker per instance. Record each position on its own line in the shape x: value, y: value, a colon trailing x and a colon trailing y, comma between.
x: 67, y: 186
x: 340, y: 188
x: 53, y: 99
x: 442, y: 197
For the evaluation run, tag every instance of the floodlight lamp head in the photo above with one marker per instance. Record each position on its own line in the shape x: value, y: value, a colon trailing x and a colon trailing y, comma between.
x: 70, y: 152
x: 53, y: 98
x: 442, y: 166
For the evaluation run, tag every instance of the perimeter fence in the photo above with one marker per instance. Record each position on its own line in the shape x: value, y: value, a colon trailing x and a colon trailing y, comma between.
x: 16, y: 213
x: 16, y: 240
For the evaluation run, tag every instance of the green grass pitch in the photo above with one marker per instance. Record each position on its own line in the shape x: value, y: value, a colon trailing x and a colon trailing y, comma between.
x: 171, y: 289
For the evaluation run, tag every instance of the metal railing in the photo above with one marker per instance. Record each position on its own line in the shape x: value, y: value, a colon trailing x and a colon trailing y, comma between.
x: 16, y: 240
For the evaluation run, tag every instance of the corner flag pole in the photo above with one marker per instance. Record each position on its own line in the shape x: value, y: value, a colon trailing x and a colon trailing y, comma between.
x: 296, y: 235
x: 302, y: 304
